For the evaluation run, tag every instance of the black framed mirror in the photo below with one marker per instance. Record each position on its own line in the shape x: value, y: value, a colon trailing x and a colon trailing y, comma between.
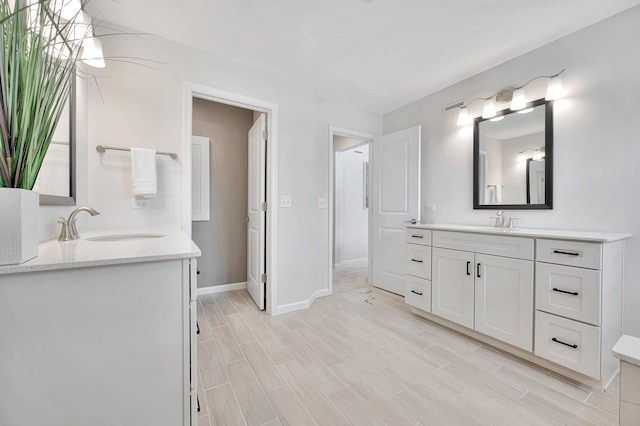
x: 57, y: 177
x: 513, y: 159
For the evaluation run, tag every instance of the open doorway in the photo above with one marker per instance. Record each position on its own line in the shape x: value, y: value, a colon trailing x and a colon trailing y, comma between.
x: 349, y: 210
x: 235, y: 237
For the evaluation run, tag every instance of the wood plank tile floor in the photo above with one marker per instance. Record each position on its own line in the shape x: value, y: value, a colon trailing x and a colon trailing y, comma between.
x: 361, y: 357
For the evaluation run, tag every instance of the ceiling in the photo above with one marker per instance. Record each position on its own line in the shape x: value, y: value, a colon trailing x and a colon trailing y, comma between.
x: 376, y: 55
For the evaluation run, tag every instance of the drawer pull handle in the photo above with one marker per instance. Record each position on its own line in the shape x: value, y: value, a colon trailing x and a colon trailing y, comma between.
x: 568, y: 253
x: 478, y: 271
x: 468, y: 264
x: 417, y: 236
x: 564, y: 343
x: 573, y: 293
x: 416, y: 292
x: 416, y: 260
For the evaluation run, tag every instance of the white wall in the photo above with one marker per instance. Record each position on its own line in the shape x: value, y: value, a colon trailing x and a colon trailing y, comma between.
x: 596, y: 149
x: 351, y: 217
x: 139, y: 106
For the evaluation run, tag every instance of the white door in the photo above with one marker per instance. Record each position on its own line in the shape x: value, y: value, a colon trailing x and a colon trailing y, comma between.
x: 256, y: 211
x: 504, y: 299
x: 452, y: 291
x: 395, y: 199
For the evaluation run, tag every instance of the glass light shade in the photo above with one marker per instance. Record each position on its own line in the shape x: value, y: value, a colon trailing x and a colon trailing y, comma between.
x: 525, y: 111
x: 93, y: 56
x: 554, y: 89
x: 82, y: 30
x: 463, y: 117
x: 538, y: 155
x: 489, y: 109
x: 518, y: 102
x: 498, y: 118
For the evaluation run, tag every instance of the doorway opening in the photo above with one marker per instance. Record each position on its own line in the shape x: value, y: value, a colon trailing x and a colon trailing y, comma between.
x: 349, y: 212
x: 229, y: 182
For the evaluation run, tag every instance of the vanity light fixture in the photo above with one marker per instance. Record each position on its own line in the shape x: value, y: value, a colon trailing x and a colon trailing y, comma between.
x: 92, y: 55
x: 498, y: 118
x: 515, y: 96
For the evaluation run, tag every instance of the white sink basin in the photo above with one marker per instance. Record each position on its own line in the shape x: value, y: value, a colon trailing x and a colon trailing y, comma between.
x: 125, y: 237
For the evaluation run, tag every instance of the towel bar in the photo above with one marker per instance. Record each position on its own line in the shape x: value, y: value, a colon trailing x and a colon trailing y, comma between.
x: 103, y: 148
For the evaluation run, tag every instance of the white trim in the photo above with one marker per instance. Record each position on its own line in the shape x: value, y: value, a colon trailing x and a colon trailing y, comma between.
x: 368, y: 138
x: 194, y: 90
x: 221, y: 288
x: 299, y: 306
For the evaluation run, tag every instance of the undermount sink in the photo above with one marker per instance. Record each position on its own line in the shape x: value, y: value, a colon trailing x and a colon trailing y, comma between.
x: 125, y: 237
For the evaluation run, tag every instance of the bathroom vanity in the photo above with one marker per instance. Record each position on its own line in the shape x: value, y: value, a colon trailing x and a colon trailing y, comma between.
x: 551, y: 297
x: 100, y: 332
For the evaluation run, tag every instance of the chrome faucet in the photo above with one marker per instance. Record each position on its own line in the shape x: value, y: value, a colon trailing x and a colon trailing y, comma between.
x: 503, y: 222
x: 69, y: 230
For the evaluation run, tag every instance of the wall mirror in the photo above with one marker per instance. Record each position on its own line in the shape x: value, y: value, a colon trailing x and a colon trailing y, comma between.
x: 57, y: 178
x: 513, y: 159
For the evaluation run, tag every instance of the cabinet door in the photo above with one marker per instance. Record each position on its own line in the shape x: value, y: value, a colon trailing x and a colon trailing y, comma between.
x: 452, y: 285
x: 504, y: 299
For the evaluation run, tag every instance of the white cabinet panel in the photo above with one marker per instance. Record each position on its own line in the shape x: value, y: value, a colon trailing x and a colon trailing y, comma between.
x: 453, y: 285
x: 572, y: 253
x: 498, y: 245
x: 504, y: 299
x: 417, y: 293
x: 569, y: 343
x: 568, y: 291
x: 418, y: 261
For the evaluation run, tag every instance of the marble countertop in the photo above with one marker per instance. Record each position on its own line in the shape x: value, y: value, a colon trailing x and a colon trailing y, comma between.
x: 628, y: 349
x: 602, y: 237
x: 84, y: 253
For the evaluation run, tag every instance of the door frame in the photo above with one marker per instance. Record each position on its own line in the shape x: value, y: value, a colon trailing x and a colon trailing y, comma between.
x: 366, y: 138
x: 270, y: 109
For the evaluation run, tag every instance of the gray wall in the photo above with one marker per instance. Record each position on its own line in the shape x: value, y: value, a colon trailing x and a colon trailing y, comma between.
x: 596, y: 149
x: 223, y: 238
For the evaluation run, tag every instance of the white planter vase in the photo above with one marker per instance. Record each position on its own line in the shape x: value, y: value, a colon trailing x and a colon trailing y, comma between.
x: 18, y: 225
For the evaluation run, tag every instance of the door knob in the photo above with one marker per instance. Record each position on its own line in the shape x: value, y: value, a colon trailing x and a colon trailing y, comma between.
x: 246, y: 219
x: 412, y: 221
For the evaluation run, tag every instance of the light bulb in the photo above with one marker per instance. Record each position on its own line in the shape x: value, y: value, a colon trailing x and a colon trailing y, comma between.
x: 92, y: 55
x: 554, y: 89
x: 489, y: 109
x: 518, y: 101
x: 463, y: 117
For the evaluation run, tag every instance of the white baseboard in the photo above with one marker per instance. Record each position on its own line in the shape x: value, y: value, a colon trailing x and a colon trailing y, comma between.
x: 298, y: 306
x: 221, y: 288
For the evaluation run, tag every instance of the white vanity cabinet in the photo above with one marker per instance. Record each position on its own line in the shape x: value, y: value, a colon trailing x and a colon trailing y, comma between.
x: 476, y: 288
x: 551, y: 297
x: 100, y: 333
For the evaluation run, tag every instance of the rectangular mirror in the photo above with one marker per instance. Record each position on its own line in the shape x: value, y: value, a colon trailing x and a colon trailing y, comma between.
x: 513, y: 159
x: 56, y: 179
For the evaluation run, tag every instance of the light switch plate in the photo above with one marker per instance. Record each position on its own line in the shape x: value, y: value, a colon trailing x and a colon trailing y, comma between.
x: 322, y: 203
x: 285, y: 201
x: 429, y: 207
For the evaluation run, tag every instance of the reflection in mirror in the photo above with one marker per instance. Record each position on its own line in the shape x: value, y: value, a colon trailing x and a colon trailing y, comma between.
x: 56, y: 180
x: 513, y: 159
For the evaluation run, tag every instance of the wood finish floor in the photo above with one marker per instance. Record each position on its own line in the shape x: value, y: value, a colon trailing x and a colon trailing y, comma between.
x: 360, y: 357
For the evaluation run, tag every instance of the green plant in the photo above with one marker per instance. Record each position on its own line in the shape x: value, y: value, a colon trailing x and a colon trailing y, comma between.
x: 38, y: 53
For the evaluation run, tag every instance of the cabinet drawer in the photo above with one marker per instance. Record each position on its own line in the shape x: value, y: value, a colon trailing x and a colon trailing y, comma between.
x: 417, y: 293
x: 507, y: 246
x: 572, y: 253
x: 570, y: 343
x: 418, y: 236
x: 418, y: 261
x: 568, y: 291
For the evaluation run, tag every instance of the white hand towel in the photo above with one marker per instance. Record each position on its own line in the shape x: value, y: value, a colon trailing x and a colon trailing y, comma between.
x: 144, y: 180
